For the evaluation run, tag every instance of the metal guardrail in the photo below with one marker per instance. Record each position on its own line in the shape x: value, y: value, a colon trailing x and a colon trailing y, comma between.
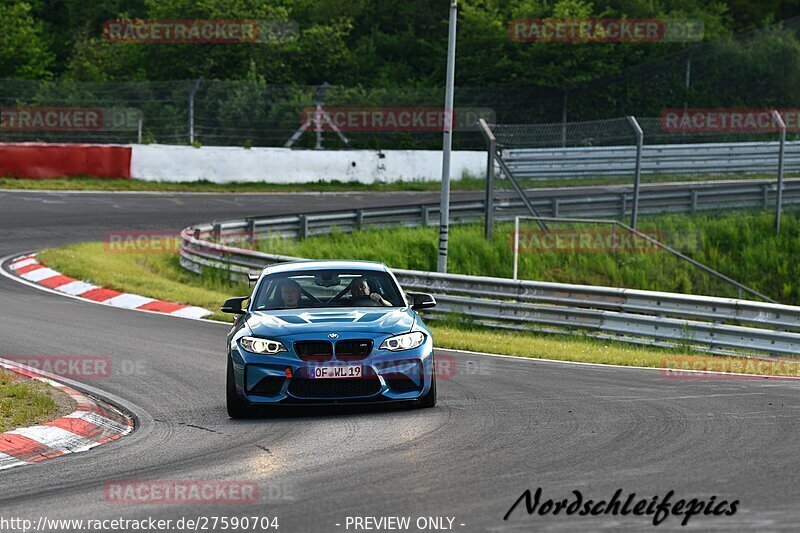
x: 678, y: 159
x: 710, y: 324
x: 690, y: 198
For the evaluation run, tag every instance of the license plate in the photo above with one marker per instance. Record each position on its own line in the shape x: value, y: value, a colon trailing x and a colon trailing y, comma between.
x: 327, y: 372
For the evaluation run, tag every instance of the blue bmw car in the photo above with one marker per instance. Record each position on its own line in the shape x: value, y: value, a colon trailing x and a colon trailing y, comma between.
x: 321, y: 332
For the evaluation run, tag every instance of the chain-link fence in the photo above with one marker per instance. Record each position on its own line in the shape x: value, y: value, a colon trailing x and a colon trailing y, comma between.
x: 679, y: 142
x: 753, y: 70
x: 240, y: 113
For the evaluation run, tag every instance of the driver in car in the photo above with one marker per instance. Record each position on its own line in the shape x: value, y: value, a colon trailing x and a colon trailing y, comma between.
x: 360, y: 291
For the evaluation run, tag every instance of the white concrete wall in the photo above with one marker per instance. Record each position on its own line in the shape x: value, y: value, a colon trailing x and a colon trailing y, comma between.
x: 223, y: 164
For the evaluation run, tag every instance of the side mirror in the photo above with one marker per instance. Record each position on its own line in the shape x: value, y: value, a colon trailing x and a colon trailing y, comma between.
x: 421, y: 300
x: 234, y: 305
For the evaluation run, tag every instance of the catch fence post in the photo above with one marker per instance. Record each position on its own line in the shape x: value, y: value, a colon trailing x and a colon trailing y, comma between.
x: 638, y: 172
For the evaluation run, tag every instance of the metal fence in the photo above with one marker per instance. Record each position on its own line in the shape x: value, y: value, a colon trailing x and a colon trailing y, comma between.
x: 243, y: 113
x: 676, y: 159
x: 711, y: 324
x: 621, y: 148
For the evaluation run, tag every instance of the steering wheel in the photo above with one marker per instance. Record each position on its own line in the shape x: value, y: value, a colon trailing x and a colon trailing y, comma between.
x: 367, y: 301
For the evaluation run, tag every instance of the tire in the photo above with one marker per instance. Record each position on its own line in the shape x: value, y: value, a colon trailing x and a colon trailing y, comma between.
x: 429, y: 400
x: 237, y: 408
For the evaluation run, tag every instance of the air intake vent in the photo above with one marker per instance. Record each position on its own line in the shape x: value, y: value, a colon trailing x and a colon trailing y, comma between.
x: 353, y: 349
x: 315, y: 351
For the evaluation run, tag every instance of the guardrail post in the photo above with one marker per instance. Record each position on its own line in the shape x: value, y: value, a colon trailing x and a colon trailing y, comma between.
x: 302, y: 230
x: 765, y: 189
x: 624, y: 198
x: 516, y: 248
x: 359, y: 219
x: 217, y: 232
x: 491, y: 150
x: 250, y: 231
x: 638, y: 173
x: 425, y: 213
x: 781, y: 151
x: 555, y: 207
x: 693, y: 208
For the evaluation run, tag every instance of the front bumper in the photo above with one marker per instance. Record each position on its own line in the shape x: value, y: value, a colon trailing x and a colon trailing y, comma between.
x: 285, y: 378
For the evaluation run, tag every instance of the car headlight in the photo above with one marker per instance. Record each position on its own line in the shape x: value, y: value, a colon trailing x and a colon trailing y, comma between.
x: 406, y: 341
x: 265, y: 346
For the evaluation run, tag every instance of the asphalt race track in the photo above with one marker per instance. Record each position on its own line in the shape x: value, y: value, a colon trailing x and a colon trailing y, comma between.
x: 502, y: 425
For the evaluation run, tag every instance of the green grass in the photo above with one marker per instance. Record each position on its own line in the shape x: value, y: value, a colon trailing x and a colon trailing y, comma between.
x: 24, y: 403
x: 465, y: 183
x: 741, y: 245
x: 159, y: 275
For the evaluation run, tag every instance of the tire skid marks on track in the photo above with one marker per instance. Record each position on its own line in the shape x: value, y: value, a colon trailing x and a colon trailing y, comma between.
x: 30, y: 269
x: 91, y: 424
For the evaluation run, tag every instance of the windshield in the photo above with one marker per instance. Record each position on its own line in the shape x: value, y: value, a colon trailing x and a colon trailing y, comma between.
x: 327, y: 288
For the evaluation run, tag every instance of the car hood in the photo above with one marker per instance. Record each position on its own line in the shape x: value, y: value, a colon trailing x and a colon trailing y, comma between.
x: 367, y: 319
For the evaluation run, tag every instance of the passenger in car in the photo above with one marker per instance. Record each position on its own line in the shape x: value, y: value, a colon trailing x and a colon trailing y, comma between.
x: 288, y: 293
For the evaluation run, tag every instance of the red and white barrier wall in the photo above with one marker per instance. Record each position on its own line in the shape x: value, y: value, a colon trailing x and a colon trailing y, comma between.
x: 38, y: 160
x: 224, y: 164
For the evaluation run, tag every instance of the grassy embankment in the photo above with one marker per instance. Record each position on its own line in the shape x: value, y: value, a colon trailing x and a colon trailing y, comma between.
x: 741, y: 245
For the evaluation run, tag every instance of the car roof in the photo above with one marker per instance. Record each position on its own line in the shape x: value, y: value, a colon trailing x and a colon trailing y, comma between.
x: 300, y: 266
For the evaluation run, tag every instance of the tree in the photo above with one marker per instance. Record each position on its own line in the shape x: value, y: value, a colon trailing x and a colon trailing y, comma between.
x: 23, y: 54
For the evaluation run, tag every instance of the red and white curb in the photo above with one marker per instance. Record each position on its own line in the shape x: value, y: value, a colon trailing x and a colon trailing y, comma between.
x: 30, y: 269
x: 92, y: 423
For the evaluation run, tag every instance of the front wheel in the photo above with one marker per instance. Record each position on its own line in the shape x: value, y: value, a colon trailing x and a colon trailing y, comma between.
x: 237, y: 408
x: 429, y: 400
